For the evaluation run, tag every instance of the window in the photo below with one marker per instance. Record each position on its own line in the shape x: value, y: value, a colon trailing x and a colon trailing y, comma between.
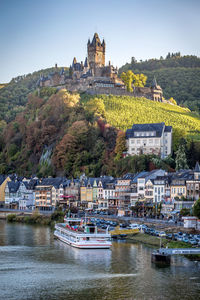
x: 132, y: 141
x: 138, y: 141
x: 155, y: 189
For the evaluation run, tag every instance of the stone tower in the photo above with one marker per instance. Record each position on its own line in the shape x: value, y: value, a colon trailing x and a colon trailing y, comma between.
x: 96, y: 53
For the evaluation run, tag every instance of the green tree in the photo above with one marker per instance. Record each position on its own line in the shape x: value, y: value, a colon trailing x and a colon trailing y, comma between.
x: 181, y: 160
x: 127, y: 78
x: 196, y: 209
x: 139, y: 80
x: 120, y: 145
x: 96, y: 106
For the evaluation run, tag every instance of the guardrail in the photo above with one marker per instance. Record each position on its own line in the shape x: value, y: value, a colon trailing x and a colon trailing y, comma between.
x: 176, y: 251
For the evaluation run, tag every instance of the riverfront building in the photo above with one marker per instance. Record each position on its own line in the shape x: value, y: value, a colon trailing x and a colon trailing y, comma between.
x: 123, y: 195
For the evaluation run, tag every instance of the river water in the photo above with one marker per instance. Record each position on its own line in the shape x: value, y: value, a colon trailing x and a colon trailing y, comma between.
x: 33, y: 265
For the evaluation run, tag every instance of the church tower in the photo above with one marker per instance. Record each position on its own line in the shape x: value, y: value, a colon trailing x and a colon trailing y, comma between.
x: 96, y: 52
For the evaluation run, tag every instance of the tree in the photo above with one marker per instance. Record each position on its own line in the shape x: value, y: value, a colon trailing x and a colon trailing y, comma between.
x: 185, y: 212
x: 139, y: 80
x: 96, y: 107
x: 196, y: 209
x: 193, y: 154
x: 120, y: 145
x: 181, y: 160
x: 127, y: 78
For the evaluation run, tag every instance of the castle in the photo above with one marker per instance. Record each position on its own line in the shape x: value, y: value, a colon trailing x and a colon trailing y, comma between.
x: 95, y: 77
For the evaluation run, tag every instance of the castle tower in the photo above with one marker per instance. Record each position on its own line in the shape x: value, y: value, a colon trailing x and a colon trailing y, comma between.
x: 96, y: 52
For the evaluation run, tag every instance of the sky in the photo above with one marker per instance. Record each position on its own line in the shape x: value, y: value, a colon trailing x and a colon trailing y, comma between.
x: 36, y: 34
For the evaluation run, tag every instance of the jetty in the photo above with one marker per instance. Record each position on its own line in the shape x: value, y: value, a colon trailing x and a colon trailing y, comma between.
x: 163, y: 255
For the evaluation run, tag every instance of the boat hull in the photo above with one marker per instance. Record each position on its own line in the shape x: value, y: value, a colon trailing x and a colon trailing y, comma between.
x: 85, y: 245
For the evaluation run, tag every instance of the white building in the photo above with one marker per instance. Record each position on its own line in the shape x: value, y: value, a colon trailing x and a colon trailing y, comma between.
x: 155, y: 138
x: 159, y: 189
x: 16, y: 191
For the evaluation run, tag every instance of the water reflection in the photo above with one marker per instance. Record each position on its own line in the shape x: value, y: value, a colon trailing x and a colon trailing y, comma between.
x: 36, y: 266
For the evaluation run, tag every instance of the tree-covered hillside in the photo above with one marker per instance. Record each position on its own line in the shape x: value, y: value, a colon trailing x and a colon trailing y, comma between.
x: 55, y: 135
x: 13, y: 96
x: 60, y: 133
x: 179, y: 77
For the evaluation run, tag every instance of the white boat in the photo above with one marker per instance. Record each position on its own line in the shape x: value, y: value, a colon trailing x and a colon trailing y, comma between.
x: 85, y: 236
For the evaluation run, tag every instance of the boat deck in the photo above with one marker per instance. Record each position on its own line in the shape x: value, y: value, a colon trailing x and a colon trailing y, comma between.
x: 81, y: 230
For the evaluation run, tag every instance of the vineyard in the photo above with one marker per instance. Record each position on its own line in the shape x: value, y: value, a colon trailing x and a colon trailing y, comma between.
x: 122, y: 112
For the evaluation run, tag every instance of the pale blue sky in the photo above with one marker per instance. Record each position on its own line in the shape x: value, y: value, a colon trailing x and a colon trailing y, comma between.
x: 36, y: 34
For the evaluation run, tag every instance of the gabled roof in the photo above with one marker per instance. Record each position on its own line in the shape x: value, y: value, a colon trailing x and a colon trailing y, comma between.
x: 168, y: 129
x: 149, y: 127
x: 2, y: 179
x: 13, y: 186
x: 139, y: 175
x: 56, y: 182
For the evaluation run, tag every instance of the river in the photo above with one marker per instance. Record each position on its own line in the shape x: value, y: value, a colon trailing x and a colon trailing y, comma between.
x: 33, y: 265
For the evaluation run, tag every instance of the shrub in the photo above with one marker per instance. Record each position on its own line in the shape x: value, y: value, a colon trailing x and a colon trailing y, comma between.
x: 11, y: 218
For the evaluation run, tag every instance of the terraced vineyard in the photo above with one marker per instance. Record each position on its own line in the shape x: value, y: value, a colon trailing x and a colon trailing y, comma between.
x: 123, y: 111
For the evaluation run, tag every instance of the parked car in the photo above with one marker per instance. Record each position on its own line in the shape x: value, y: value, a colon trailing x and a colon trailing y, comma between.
x: 169, y: 236
x: 162, y: 234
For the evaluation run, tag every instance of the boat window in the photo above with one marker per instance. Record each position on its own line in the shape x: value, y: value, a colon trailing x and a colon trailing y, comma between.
x: 87, y: 238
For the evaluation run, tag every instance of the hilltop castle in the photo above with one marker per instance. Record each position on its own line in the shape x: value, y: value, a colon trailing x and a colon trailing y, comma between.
x: 95, y: 77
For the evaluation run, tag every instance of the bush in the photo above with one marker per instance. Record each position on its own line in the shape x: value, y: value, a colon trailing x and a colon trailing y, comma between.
x: 58, y: 216
x: 11, y: 218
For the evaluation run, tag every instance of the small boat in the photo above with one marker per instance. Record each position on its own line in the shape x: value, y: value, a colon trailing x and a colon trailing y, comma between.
x: 79, y: 234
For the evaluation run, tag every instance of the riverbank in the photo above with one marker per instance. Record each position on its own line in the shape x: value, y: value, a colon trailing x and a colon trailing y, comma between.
x: 155, y: 242
x: 147, y: 239
x: 37, y: 218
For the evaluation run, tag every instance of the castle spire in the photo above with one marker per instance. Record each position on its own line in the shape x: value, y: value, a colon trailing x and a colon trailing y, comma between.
x: 154, y: 83
x: 74, y: 62
x: 96, y: 39
x: 86, y: 63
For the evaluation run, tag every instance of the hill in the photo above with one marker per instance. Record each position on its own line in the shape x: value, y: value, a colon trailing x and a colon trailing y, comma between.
x: 122, y: 111
x: 54, y: 135
x: 179, y: 77
x: 13, y: 95
x: 60, y: 133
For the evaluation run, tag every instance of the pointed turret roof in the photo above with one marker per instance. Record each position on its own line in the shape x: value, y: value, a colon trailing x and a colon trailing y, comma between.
x: 96, y: 39
x: 86, y: 63
x: 197, y: 167
x: 74, y: 62
x: 154, y: 82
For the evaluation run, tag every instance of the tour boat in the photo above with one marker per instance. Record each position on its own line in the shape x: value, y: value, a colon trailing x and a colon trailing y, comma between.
x: 80, y: 234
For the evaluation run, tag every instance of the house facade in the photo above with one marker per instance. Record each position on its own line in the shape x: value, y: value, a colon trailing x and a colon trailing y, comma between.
x: 153, y: 138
